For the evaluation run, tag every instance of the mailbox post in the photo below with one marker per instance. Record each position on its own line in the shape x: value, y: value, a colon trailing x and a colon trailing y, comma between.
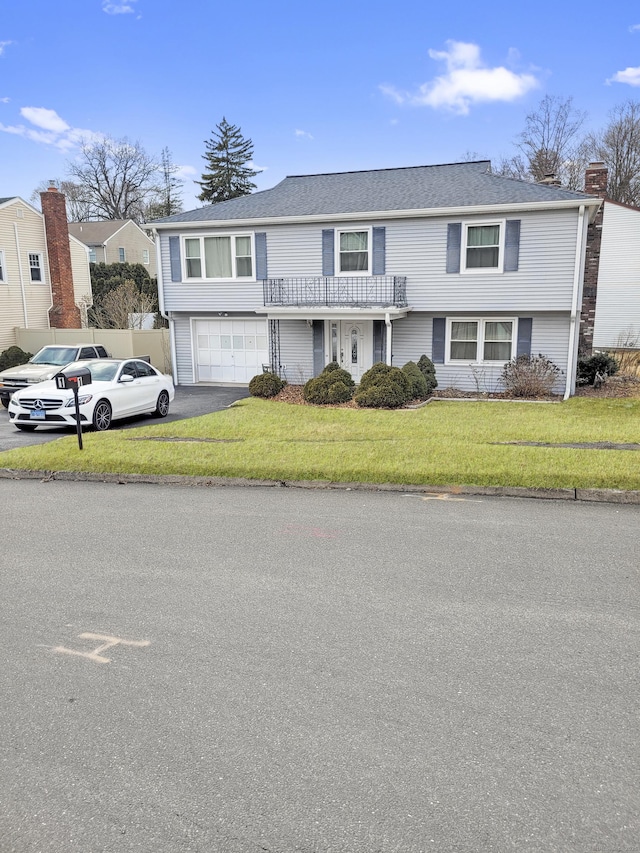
x: 74, y: 378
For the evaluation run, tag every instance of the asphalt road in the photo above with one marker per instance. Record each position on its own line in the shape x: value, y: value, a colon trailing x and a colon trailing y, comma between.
x: 325, y: 672
x: 189, y: 402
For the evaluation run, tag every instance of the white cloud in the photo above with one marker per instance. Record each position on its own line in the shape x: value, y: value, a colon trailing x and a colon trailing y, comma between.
x: 4, y: 100
x: 631, y: 76
x: 303, y: 134
x: 466, y: 81
x: 46, y: 127
x: 184, y: 173
x: 4, y: 44
x: 118, y: 8
x: 634, y: 28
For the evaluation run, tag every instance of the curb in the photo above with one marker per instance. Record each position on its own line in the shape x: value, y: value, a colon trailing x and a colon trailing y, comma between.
x: 584, y: 495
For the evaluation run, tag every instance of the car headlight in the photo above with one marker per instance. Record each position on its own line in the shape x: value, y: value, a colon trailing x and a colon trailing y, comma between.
x: 82, y: 399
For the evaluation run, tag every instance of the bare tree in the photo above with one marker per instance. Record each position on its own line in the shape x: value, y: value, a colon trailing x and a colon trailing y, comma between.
x: 618, y: 145
x: 551, y: 138
x: 78, y: 210
x: 117, y: 178
x: 125, y: 307
x: 169, y: 198
x: 512, y: 167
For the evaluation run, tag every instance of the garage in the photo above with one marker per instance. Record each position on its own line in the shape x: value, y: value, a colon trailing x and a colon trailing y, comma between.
x: 230, y: 350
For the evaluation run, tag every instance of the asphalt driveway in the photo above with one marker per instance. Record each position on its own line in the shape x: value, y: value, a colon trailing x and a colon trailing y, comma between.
x: 190, y: 402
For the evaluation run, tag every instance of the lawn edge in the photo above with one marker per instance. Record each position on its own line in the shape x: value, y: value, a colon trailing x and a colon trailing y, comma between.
x: 618, y: 496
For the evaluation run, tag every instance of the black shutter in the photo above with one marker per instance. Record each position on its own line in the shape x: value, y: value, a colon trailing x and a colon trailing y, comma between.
x: 328, y: 250
x: 174, y: 255
x: 378, y: 240
x: 525, y: 325
x: 511, y: 245
x: 261, y: 255
x: 439, y: 334
x: 454, y: 241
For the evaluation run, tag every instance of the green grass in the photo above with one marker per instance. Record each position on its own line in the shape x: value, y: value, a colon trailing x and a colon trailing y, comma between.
x: 444, y: 443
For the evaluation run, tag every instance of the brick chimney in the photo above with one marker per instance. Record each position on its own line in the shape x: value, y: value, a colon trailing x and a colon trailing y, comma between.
x: 64, y: 313
x: 595, y: 183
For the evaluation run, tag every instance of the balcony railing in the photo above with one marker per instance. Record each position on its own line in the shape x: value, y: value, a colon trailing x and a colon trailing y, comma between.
x: 379, y: 291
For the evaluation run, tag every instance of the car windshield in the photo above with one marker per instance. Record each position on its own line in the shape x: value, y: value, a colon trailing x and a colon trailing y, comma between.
x: 55, y: 355
x: 102, y: 371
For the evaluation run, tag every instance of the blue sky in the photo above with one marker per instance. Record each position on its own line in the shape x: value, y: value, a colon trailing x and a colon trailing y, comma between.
x: 318, y: 87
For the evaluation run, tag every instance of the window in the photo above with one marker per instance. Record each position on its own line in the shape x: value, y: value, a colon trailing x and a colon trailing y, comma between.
x: 145, y: 256
x: 122, y: 255
x: 483, y: 247
x: 227, y: 256
x: 480, y: 340
x: 353, y: 251
x: 92, y: 256
x: 35, y: 265
x: 3, y: 269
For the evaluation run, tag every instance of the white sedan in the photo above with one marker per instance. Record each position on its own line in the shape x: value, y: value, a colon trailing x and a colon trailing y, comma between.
x: 119, y: 388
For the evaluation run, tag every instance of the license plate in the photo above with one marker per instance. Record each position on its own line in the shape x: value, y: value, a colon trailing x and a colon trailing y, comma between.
x: 37, y: 415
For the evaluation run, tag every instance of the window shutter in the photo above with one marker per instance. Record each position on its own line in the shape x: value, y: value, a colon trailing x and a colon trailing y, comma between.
x: 454, y: 240
x: 261, y: 255
x: 174, y: 254
x: 328, y: 249
x: 511, y: 245
x: 437, y: 345
x: 318, y: 347
x: 378, y: 240
x: 524, y: 336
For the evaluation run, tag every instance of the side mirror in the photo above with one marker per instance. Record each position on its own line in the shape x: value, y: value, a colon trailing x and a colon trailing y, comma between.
x: 126, y: 377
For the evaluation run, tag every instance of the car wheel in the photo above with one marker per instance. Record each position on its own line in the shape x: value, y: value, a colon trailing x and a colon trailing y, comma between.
x: 162, y: 406
x: 5, y: 402
x: 102, y: 416
x: 25, y: 427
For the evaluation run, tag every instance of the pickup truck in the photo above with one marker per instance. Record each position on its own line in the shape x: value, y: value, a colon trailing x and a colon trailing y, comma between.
x: 44, y: 365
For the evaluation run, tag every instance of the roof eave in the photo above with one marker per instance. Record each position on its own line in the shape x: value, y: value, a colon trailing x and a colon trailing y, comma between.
x: 591, y: 202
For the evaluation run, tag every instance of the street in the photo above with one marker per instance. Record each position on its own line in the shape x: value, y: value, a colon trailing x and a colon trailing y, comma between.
x: 270, y: 670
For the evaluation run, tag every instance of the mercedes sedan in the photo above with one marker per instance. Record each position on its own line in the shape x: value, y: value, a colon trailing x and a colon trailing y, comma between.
x: 119, y: 388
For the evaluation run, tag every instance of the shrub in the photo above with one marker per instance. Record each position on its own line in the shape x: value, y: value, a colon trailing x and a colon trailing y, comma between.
x: 334, y: 385
x: 383, y: 387
x: 599, y: 365
x: 530, y: 376
x: 13, y: 357
x: 417, y: 382
x: 428, y: 370
x: 266, y: 385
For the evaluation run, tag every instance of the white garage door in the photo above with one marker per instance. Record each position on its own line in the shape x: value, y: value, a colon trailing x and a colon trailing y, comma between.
x: 230, y: 350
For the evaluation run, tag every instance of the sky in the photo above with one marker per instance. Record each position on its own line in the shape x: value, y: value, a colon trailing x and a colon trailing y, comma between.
x: 317, y: 87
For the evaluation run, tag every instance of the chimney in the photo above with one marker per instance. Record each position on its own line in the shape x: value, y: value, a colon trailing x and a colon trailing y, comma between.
x: 595, y: 179
x: 64, y: 313
x: 551, y: 180
x: 595, y: 183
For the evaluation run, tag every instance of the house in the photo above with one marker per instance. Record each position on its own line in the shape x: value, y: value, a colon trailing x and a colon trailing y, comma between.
x: 468, y: 267
x: 611, y: 294
x: 44, y: 272
x: 116, y: 241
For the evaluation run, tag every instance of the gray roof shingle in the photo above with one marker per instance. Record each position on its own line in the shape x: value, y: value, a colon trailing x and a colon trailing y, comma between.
x: 95, y: 233
x: 410, y: 188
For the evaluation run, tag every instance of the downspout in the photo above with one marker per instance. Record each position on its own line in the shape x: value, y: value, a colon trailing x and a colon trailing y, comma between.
x: 172, y: 337
x: 572, y: 361
x: 22, y: 293
x: 387, y: 322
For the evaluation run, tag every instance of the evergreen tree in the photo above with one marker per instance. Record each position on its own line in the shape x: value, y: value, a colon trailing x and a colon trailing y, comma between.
x: 227, y: 156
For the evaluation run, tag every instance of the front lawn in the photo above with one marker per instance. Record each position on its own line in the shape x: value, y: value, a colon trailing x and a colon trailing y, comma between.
x: 444, y: 443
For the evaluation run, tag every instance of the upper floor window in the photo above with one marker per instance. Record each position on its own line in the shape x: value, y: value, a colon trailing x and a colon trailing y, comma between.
x: 353, y: 251
x: 480, y: 340
x: 35, y: 266
x: 483, y: 247
x: 92, y: 256
x: 229, y: 256
x: 145, y: 256
x: 122, y: 255
x: 3, y: 269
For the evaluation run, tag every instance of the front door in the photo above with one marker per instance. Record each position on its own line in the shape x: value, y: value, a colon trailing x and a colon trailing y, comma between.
x: 351, y: 345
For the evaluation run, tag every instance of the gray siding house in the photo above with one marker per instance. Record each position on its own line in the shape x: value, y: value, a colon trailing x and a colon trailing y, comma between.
x: 452, y: 261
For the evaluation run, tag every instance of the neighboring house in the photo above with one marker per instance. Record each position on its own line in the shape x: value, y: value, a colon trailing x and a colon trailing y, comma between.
x: 116, y: 241
x: 468, y: 267
x: 611, y: 298
x: 44, y: 272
